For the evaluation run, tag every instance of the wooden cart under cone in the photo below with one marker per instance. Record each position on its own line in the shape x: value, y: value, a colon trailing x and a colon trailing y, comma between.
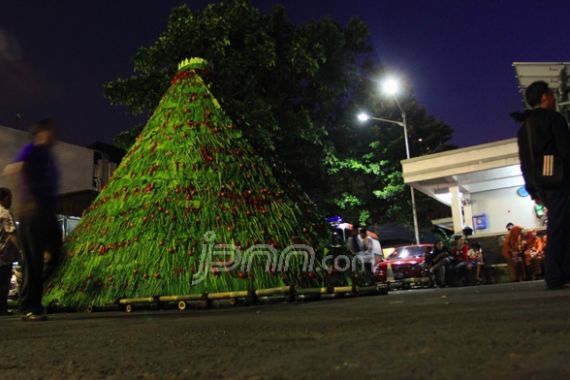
x: 288, y: 293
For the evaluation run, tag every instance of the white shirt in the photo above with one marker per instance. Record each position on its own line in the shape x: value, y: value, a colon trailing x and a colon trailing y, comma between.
x: 6, y: 220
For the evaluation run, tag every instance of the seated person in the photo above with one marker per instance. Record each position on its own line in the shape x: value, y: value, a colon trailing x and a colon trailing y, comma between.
x: 533, y: 255
x: 460, y: 260
x: 438, y: 261
x: 512, y: 252
x: 477, y: 259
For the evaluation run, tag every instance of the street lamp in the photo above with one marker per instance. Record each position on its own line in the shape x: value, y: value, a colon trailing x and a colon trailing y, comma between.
x: 391, y: 87
x: 363, y: 117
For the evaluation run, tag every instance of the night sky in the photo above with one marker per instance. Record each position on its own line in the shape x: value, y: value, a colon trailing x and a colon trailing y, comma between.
x: 458, y: 55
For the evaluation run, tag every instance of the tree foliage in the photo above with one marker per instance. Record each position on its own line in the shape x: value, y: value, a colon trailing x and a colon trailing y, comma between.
x: 367, y: 166
x: 294, y: 90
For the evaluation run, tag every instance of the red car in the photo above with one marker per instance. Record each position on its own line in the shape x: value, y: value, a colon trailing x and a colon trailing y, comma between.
x: 406, y: 264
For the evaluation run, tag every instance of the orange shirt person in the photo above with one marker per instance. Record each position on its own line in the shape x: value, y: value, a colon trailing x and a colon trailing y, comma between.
x: 511, y: 250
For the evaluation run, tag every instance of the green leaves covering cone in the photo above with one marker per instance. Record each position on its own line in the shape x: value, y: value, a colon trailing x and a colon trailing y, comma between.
x: 190, y: 176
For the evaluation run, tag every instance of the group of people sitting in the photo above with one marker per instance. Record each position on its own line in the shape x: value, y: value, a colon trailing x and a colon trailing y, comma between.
x: 523, y: 251
x: 462, y: 263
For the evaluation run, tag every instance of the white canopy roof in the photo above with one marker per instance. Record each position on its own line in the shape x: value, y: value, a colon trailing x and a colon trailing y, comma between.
x: 474, y: 169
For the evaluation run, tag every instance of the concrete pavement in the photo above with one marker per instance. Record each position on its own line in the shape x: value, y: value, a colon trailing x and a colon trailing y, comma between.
x: 507, y: 331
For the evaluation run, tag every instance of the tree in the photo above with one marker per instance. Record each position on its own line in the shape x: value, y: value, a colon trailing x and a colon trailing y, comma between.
x: 365, y: 165
x: 186, y: 212
x: 281, y: 83
x: 293, y: 90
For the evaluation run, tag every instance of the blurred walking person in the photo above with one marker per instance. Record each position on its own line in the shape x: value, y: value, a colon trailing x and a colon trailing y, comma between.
x: 39, y: 231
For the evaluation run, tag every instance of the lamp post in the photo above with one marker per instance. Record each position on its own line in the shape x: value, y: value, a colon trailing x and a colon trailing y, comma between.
x: 391, y: 87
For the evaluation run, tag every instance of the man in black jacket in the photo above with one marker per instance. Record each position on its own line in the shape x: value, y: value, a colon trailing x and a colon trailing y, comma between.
x: 549, y: 135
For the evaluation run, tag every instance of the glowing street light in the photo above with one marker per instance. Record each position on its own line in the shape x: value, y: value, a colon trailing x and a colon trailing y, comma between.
x: 391, y: 87
x: 363, y: 117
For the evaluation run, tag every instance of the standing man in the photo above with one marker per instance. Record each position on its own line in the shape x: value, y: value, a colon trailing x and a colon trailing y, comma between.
x: 39, y: 231
x: 352, y: 241
x: 549, y: 135
x: 365, y: 254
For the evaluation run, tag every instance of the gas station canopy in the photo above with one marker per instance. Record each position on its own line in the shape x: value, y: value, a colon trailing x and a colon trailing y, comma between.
x: 474, y: 169
x: 487, y: 174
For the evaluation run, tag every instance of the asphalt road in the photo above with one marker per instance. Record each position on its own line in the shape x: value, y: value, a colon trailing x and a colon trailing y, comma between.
x: 508, y: 331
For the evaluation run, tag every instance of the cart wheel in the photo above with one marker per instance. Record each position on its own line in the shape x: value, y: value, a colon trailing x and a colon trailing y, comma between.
x: 182, y: 305
x: 382, y: 290
x: 291, y: 296
x: 129, y: 308
x: 52, y: 307
x: 251, y: 298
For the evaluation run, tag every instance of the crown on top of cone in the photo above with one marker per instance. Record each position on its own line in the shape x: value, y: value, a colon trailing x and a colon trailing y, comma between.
x: 193, y: 63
